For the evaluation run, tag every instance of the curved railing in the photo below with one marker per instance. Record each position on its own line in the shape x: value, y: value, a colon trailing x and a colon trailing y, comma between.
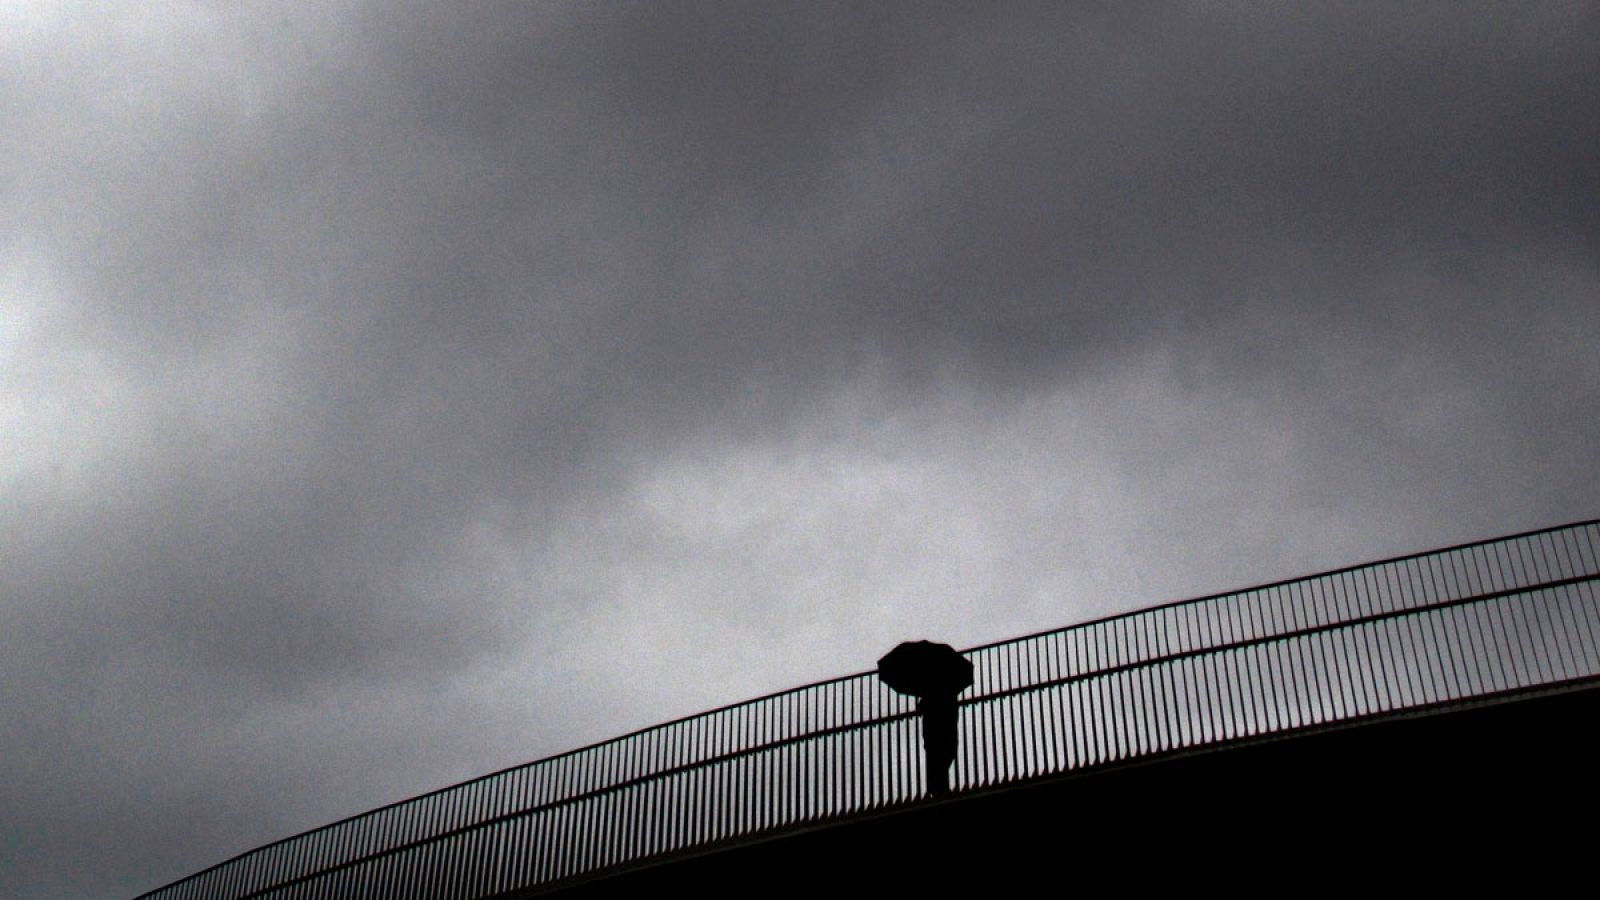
x: 1462, y: 624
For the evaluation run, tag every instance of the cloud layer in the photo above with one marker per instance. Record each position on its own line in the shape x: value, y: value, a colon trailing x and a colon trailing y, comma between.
x: 390, y: 395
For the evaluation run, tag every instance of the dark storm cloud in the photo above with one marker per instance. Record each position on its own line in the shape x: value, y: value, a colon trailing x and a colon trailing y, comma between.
x: 372, y: 374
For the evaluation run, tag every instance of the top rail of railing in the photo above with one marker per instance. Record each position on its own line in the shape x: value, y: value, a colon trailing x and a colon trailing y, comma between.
x: 1423, y: 628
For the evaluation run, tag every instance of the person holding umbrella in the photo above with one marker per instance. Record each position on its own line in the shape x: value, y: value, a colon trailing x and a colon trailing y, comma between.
x: 936, y: 675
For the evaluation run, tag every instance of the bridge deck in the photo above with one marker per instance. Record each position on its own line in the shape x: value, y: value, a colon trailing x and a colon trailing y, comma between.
x: 1491, y: 796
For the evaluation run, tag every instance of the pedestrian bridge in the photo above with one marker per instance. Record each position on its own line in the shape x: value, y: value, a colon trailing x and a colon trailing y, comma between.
x: 1444, y: 662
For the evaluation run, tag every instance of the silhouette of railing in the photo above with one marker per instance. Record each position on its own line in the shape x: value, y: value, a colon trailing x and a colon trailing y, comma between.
x: 1464, y: 624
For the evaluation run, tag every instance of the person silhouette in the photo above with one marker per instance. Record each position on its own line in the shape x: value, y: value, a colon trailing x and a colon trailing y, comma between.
x: 936, y: 675
x: 939, y: 718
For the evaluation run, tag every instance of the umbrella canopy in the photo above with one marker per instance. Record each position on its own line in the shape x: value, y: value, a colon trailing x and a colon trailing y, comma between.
x: 925, y: 669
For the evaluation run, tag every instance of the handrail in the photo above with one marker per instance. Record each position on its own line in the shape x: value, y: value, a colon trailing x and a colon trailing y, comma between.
x: 1406, y: 632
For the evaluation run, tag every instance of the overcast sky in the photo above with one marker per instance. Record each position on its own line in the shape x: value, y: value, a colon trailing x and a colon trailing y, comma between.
x: 390, y: 394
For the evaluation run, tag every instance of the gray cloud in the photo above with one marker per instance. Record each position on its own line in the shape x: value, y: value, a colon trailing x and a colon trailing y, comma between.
x: 371, y: 376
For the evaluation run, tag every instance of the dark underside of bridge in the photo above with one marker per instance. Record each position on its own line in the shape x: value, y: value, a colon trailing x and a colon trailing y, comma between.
x: 1491, y: 797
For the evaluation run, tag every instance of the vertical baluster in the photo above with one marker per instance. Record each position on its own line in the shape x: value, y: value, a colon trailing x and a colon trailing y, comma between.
x: 1350, y: 643
x: 1583, y: 631
x: 1236, y: 661
x: 622, y: 827
x: 1258, y: 664
x: 445, y: 856
x: 593, y: 805
x: 1011, y: 736
x: 1020, y: 703
x: 674, y: 788
x: 724, y: 769
x: 740, y: 777
x: 994, y: 716
x: 800, y: 750
x: 1227, y: 662
x: 1471, y: 617
x: 439, y: 859
x: 1167, y: 621
x: 373, y: 880
x: 524, y: 843
x: 755, y: 804
x: 522, y: 855
x: 1582, y: 541
x: 463, y: 859
x: 702, y: 802
x: 637, y: 820
x: 1428, y: 628
x: 781, y: 761
x: 1488, y: 674
x: 646, y: 815
x: 657, y: 784
x: 1408, y: 678
x: 598, y: 762
x: 582, y: 806
x: 1420, y: 631
x: 597, y: 804
x: 860, y: 710
x: 561, y: 827
x: 1358, y: 661
x: 344, y: 838
x: 1115, y: 718
x: 1501, y: 659
x: 1127, y: 712
x: 749, y: 784
x: 1037, y: 697
x: 1455, y: 621
x: 1149, y: 683
x: 1327, y: 668
x: 569, y: 817
x: 442, y: 855
x: 1211, y: 714
x: 770, y: 763
x: 679, y: 788
x: 842, y: 748
x: 1289, y: 667
x: 1457, y: 641
x: 1099, y: 714
x: 547, y: 841
x: 1273, y: 671
x: 1199, y: 676
x: 543, y: 826
x: 307, y: 850
x: 351, y: 843
x: 493, y: 837
x: 517, y: 803
x: 1129, y: 687
x: 1185, y: 701
x: 1040, y: 710
x: 529, y: 855
x: 1390, y: 667
x: 1181, y: 676
x: 1539, y: 607
x: 1224, y: 717
x: 1105, y: 739
x: 1055, y: 717
x: 816, y: 797
x: 469, y: 860
x: 1566, y: 630
x: 1217, y: 663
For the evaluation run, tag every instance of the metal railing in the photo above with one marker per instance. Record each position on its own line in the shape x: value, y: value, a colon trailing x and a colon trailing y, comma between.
x: 1449, y: 626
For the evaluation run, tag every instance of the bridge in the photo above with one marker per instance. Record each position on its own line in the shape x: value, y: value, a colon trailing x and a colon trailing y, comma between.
x: 1410, y: 676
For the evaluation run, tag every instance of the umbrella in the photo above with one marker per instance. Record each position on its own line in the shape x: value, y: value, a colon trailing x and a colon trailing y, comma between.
x: 925, y: 669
